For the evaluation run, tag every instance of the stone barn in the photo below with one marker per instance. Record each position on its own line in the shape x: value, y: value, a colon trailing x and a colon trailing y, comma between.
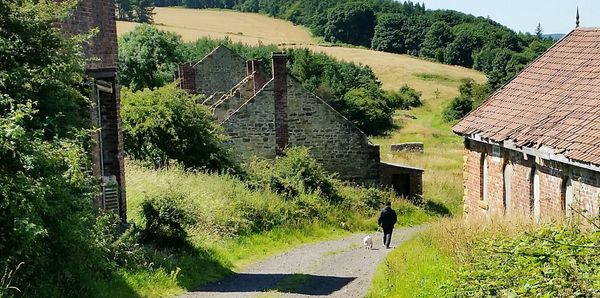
x: 103, y: 87
x: 264, y: 116
x: 533, y: 147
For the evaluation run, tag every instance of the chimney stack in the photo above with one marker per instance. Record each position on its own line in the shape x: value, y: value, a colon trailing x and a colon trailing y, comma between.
x: 280, y: 98
x: 257, y: 68
x: 186, y: 73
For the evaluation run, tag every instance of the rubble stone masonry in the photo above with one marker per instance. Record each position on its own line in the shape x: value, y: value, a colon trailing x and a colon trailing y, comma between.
x: 219, y: 71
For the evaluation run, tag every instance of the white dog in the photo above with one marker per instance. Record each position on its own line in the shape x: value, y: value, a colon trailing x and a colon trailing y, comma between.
x: 368, y: 242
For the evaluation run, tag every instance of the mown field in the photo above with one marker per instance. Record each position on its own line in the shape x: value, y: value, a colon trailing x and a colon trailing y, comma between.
x: 437, y: 82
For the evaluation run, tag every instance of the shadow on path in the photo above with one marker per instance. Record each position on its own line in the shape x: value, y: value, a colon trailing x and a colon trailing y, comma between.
x: 304, y: 284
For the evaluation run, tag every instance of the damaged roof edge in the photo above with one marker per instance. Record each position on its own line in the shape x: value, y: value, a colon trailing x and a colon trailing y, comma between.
x: 544, y: 153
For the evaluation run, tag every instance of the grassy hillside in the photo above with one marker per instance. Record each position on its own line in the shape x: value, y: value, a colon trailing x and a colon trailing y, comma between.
x: 438, y: 83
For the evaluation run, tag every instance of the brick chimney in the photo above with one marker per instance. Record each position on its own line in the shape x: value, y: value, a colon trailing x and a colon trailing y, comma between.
x: 186, y: 74
x: 280, y: 101
x: 257, y: 68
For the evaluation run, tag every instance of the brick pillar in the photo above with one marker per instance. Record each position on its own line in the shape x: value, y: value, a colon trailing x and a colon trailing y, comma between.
x: 260, y: 79
x: 187, y: 77
x: 280, y: 95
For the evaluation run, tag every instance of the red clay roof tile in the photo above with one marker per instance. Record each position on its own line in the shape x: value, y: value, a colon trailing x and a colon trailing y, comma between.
x: 554, y: 102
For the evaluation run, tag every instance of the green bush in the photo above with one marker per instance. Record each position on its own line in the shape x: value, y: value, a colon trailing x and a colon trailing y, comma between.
x: 47, y: 220
x: 471, y: 96
x: 405, y: 98
x: 148, y: 57
x: 165, y: 219
x: 368, y: 110
x: 167, y: 124
x: 293, y: 174
x: 554, y: 261
x: 459, y: 107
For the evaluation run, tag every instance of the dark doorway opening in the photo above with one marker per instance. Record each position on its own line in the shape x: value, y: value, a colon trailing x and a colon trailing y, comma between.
x: 401, y: 184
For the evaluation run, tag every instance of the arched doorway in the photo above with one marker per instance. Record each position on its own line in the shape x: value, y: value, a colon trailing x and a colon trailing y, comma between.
x: 567, y: 196
x: 535, y: 184
x: 508, y: 173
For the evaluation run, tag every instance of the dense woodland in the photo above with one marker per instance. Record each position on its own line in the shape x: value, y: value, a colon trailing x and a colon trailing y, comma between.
x: 446, y: 36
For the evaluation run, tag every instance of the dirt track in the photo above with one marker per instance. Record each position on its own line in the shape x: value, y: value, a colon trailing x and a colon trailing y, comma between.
x: 340, y: 268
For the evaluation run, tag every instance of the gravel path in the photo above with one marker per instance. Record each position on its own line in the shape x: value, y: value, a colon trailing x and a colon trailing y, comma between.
x: 339, y: 268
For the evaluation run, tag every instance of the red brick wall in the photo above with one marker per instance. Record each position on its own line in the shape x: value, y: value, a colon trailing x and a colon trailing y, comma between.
x: 187, y: 77
x: 281, y: 103
x: 102, y: 63
x: 586, y: 183
x: 90, y: 14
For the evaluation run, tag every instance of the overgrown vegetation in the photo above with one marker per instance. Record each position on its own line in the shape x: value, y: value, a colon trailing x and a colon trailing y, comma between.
x: 471, y: 96
x: 404, y: 27
x: 48, y: 237
x: 167, y: 124
x: 149, y: 58
x: 494, y: 259
x: 182, y: 214
x: 134, y: 10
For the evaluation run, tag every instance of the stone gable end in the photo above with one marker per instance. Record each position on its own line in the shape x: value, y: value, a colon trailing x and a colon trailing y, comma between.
x: 334, y: 141
x: 219, y: 71
x: 251, y: 129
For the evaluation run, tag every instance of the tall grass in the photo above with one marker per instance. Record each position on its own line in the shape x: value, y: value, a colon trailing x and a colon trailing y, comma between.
x: 494, y: 257
x: 236, y: 224
x: 422, y: 266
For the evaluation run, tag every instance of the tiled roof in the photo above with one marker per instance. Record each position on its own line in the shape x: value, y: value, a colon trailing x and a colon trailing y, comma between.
x: 553, y: 103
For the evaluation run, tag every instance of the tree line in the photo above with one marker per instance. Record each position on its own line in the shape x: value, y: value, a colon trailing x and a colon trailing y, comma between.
x: 445, y: 36
x: 351, y: 89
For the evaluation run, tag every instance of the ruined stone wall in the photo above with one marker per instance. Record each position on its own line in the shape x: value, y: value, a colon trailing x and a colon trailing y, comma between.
x: 229, y: 102
x: 552, y: 174
x: 219, y: 71
x: 334, y: 140
x: 415, y: 147
x: 251, y: 130
x: 415, y: 182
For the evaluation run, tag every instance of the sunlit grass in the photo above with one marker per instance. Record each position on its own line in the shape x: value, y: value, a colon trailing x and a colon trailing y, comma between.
x: 422, y: 266
x: 442, y: 159
x: 211, y: 255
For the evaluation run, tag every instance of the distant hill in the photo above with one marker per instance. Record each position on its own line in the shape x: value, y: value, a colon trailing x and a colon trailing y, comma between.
x: 392, y: 69
x: 554, y: 36
x: 403, y: 27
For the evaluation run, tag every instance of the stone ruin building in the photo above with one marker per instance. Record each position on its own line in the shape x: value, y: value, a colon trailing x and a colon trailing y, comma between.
x: 533, y: 147
x: 102, y: 66
x: 262, y: 116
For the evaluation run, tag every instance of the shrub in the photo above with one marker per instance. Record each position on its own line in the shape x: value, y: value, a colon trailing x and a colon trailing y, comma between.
x: 471, y: 96
x: 554, y: 261
x: 458, y: 108
x: 167, y: 124
x: 148, y: 57
x: 405, y: 98
x: 368, y: 110
x: 165, y: 218
x: 294, y: 174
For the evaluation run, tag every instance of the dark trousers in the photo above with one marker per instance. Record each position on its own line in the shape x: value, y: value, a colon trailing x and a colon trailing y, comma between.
x: 387, y: 236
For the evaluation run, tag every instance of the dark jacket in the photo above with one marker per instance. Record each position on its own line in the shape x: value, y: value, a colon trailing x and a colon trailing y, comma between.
x: 387, y: 218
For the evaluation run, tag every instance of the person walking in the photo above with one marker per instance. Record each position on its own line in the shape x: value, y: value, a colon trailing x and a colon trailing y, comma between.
x: 387, y: 220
